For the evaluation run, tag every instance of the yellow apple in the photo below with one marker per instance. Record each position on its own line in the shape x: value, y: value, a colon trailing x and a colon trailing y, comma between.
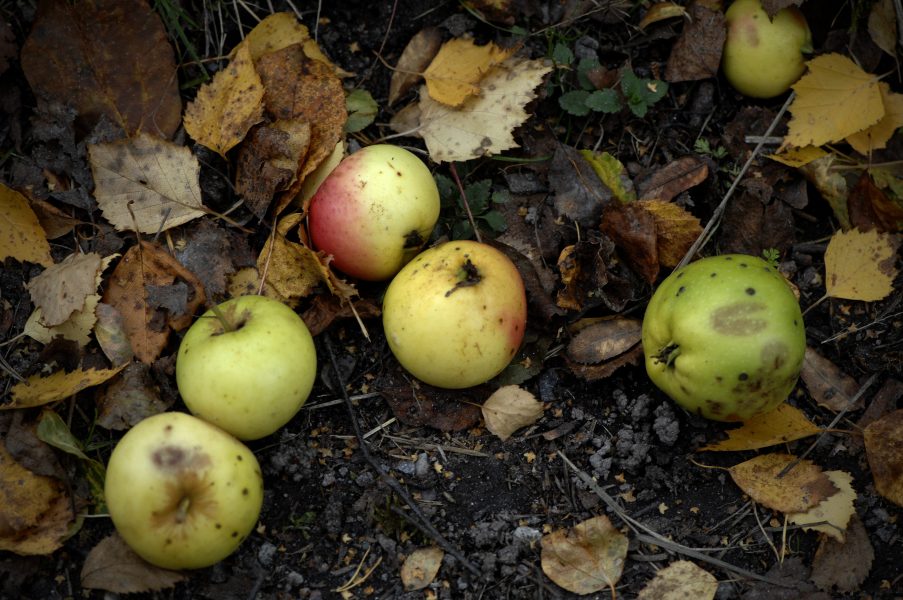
x: 455, y: 316
x: 253, y: 379
x: 763, y: 57
x: 374, y: 211
x: 182, y: 493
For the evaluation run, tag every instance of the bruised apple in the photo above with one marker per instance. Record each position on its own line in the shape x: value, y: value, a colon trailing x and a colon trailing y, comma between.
x: 724, y: 337
x: 182, y: 493
x: 374, y: 211
x: 455, y: 316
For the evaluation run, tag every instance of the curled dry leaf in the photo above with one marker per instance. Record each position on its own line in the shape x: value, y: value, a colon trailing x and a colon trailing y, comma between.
x: 884, y: 448
x: 844, y: 564
x: 508, y: 409
x: 661, y: 11
x: 586, y: 558
x: 416, y: 57
x: 831, y: 515
x: 114, y: 567
x: 779, y: 426
x: 828, y: 385
x: 21, y: 236
x: 804, y: 486
x: 601, y: 340
x: 38, y: 390
x: 680, y: 580
x: 579, y: 195
x: 420, y: 568
x: 62, y: 289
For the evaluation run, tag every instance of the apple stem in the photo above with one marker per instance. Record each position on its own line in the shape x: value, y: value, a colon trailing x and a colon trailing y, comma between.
x: 222, y: 318
x: 473, y: 223
x: 182, y: 510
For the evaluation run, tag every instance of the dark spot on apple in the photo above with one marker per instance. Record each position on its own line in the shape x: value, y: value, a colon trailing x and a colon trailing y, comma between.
x: 176, y: 458
x: 728, y: 258
x: 739, y: 318
x: 168, y: 429
x: 681, y: 290
x: 743, y: 376
x: 239, y: 457
x: 684, y: 390
x: 235, y: 534
x: 743, y: 265
x: 750, y: 291
x: 719, y: 379
x: 679, y: 275
x: 219, y: 525
x: 244, y: 491
x: 413, y: 239
x: 167, y: 542
x: 712, y: 274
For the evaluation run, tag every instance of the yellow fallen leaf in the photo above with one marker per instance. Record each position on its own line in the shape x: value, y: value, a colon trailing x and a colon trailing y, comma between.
x: 21, y: 235
x: 613, y: 174
x: 830, y: 184
x: 661, y: 11
x: 280, y: 30
x: 860, y: 265
x: 675, y: 230
x: 417, y: 55
x: 836, y: 510
x: 62, y: 288
x: 146, y: 183
x: 77, y: 327
x: 801, y: 488
x: 836, y: 98
x: 877, y: 136
x: 38, y: 390
x: 586, y: 558
x: 420, y: 568
x: 508, y: 409
x: 680, y: 580
x: 798, y: 157
x: 458, y: 67
x: 227, y: 107
x: 483, y: 124
x: 779, y: 426
x: 292, y: 269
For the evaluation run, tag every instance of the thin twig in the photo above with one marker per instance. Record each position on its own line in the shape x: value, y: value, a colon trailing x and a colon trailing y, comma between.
x: 422, y: 522
x: 473, y: 223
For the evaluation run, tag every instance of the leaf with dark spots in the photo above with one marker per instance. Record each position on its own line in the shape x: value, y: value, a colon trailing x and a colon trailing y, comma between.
x: 579, y: 193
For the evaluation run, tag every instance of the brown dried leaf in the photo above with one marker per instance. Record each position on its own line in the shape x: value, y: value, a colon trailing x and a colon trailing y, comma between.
x: 107, y: 58
x: 754, y: 222
x: 882, y: 26
x: 508, y: 409
x: 144, y: 269
x: 634, y: 356
x: 871, y: 207
x: 109, y: 331
x: 804, y: 486
x: 697, y: 52
x: 146, y: 183
x: 605, y: 339
x: 419, y: 569
x: 280, y: 30
x: 579, y: 194
x: 63, y: 288
x: 830, y: 387
x: 225, y: 109
x: 633, y: 230
x: 677, y: 176
x: 586, y: 558
x: 844, y: 565
x: 784, y: 424
x: 675, y: 229
x: 415, y: 58
x: 831, y: 515
x: 680, y: 580
x: 293, y: 271
x: 114, y: 567
x: 21, y: 235
x: 325, y: 309
x: 884, y: 449
x: 129, y: 398
x: 419, y: 404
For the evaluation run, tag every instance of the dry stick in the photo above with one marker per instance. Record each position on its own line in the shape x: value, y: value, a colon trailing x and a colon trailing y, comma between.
x: 868, y: 383
x: 652, y: 537
x: 716, y: 216
x: 422, y: 522
x: 473, y: 223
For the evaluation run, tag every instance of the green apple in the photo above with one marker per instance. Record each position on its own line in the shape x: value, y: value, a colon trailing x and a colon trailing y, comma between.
x: 763, y: 57
x: 724, y: 337
x: 252, y: 377
x: 374, y: 211
x: 182, y: 493
x: 455, y: 316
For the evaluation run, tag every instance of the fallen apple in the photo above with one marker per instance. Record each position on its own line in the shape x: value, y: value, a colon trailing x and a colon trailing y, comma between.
x: 455, y: 316
x: 724, y: 337
x: 763, y: 57
x: 248, y: 370
x: 374, y: 211
x: 182, y: 493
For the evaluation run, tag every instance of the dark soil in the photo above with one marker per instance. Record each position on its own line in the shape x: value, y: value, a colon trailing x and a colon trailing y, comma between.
x: 329, y: 514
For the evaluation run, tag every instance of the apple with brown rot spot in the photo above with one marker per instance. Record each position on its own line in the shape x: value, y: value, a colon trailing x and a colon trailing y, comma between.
x: 182, y: 493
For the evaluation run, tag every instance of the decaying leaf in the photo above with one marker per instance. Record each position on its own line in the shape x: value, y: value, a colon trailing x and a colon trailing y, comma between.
x: 613, y: 174
x: 836, y: 98
x: 114, y: 567
x: 420, y: 568
x: 697, y: 52
x: 459, y: 66
x: 798, y: 157
x: 107, y: 58
x: 38, y: 390
x: 784, y: 424
x: 801, y: 488
x: 482, y: 125
x: 77, y: 327
x: 831, y: 515
x: 225, y: 109
x: 661, y: 11
x: 677, y: 176
x: 860, y: 265
x: 844, y: 564
x: 109, y: 331
x: 145, y: 183
x: 129, y: 398
x: 21, y: 235
x: 602, y: 340
x: 873, y: 202
x: 882, y: 26
x: 292, y: 269
x: 828, y: 385
x: 280, y: 30
x: 62, y: 289
x: 675, y: 230
x: 877, y: 136
x: 508, y: 409
x: 681, y: 580
x: 416, y: 57
x: 830, y: 184
x: 579, y: 195
x: 884, y: 448
x: 633, y: 230
x: 587, y: 558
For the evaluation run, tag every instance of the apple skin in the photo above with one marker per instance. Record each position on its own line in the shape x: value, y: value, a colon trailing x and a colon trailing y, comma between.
x: 724, y: 337
x: 455, y: 316
x: 253, y: 380
x: 762, y: 58
x: 182, y: 493
x: 374, y: 212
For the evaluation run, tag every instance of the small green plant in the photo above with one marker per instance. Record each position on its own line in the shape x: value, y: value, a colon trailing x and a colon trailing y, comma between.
x: 482, y: 202
x: 702, y: 146
x: 772, y: 256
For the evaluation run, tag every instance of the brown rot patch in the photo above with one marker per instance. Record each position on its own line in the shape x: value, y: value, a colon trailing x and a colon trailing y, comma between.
x: 413, y: 239
x: 774, y: 355
x: 740, y: 318
x: 468, y: 275
x: 175, y: 459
